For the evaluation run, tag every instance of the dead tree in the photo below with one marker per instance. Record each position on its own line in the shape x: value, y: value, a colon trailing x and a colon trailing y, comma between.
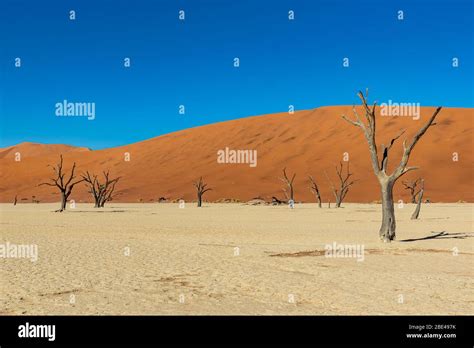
x: 16, y: 200
x: 289, y: 183
x: 94, y: 187
x: 64, y: 185
x: 411, y: 186
x: 276, y: 201
x: 315, y: 190
x: 200, y: 189
x: 344, y: 183
x: 416, y: 213
x: 102, y: 192
x: 386, y: 181
x: 108, y: 189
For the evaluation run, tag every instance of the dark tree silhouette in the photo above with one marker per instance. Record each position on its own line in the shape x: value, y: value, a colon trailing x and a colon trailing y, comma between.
x: 386, y: 181
x: 102, y: 192
x: 64, y: 185
x: 289, y: 183
x: 411, y: 186
x: 344, y: 183
x: 200, y: 190
x: 313, y: 187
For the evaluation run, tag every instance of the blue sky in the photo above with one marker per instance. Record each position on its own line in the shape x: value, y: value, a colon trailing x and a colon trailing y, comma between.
x: 190, y: 63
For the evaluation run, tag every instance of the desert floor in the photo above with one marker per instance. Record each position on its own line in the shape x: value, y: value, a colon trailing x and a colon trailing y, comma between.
x: 160, y: 259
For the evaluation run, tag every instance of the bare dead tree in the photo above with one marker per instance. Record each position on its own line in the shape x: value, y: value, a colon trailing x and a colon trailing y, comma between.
x: 344, y: 183
x: 276, y: 201
x: 65, y: 186
x: 416, y: 213
x: 411, y: 186
x: 16, y: 200
x: 93, y: 185
x: 101, y: 191
x: 313, y: 187
x: 289, y: 183
x: 108, y: 189
x: 386, y: 181
x: 200, y: 190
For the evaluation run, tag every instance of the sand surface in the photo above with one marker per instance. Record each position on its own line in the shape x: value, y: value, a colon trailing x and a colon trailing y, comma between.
x: 307, y: 142
x: 185, y: 261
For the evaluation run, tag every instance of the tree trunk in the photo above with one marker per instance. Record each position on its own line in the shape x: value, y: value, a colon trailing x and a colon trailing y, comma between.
x: 387, y: 230
x: 338, y: 200
x: 319, y: 202
x: 418, y: 206
x: 199, y: 200
x: 63, y: 201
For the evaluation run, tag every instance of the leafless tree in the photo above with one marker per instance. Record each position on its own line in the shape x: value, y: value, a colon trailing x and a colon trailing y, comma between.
x: 101, y: 191
x: 276, y: 201
x: 411, y: 186
x: 289, y: 183
x: 93, y: 185
x: 314, y: 189
x: 200, y: 189
x: 386, y: 181
x: 16, y: 200
x: 64, y: 185
x: 416, y: 213
x: 109, y: 188
x: 344, y: 183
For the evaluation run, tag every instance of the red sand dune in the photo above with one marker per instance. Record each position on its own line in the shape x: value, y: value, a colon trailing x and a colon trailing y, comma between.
x: 307, y: 142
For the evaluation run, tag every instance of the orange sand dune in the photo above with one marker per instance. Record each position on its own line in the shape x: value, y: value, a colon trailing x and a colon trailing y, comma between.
x: 306, y: 142
x: 28, y: 149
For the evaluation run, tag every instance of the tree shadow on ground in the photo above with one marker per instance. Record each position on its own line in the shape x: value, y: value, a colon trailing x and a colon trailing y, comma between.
x: 441, y: 235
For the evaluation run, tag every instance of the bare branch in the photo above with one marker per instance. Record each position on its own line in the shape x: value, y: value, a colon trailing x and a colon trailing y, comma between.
x: 408, y: 149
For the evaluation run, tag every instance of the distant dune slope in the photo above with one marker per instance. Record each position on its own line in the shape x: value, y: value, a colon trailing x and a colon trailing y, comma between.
x: 306, y: 142
x: 29, y: 150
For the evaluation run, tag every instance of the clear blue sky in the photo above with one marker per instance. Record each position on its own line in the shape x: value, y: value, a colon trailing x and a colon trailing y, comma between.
x: 282, y: 62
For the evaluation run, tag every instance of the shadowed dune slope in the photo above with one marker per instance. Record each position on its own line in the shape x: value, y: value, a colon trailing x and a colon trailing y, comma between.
x: 306, y: 142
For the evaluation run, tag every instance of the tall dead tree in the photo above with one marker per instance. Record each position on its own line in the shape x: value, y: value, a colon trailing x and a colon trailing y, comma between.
x: 386, y: 181
x: 411, y: 186
x: 416, y: 213
x: 64, y: 185
x: 291, y: 194
x: 200, y: 190
x: 313, y: 187
x: 102, y: 192
x: 344, y: 183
